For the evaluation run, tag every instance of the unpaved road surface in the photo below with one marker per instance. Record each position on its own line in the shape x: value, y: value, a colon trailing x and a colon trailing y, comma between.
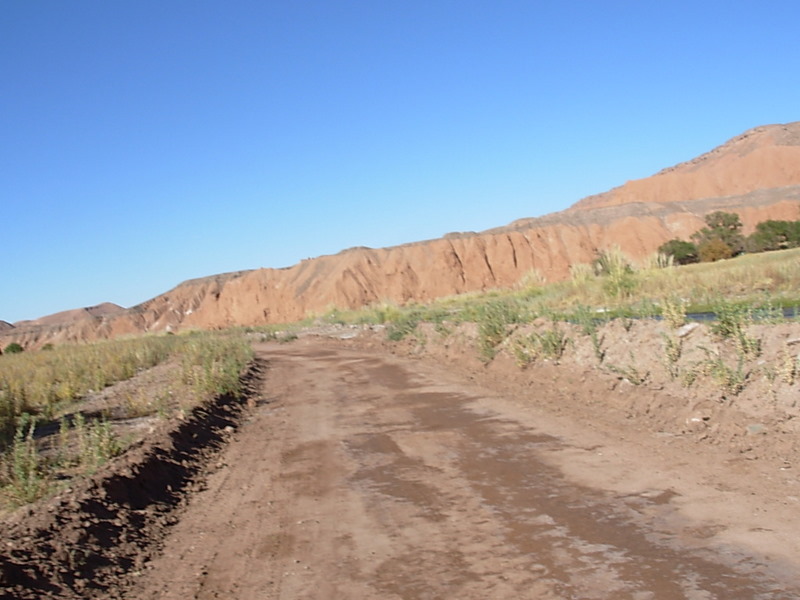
x: 370, y: 476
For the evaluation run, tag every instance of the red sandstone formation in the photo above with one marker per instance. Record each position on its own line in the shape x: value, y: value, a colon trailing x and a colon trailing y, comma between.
x: 762, y: 158
x: 756, y: 175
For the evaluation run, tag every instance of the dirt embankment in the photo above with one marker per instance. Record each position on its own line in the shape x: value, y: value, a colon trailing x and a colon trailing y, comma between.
x: 685, y: 384
x: 92, y: 538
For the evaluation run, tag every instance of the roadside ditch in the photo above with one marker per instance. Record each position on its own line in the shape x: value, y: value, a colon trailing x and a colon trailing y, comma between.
x: 92, y: 537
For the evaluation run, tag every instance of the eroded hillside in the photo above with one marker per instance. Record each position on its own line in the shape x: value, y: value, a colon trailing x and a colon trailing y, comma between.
x: 757, y: 175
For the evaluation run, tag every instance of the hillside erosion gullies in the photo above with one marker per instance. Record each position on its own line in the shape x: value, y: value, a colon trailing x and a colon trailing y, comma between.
x: 637, y: 221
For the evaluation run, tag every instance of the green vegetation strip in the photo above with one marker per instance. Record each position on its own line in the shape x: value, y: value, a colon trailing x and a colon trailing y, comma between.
x: 44, y: 386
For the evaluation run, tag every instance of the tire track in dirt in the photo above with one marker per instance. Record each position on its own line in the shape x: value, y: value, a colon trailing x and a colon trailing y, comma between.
x: 367, y: 476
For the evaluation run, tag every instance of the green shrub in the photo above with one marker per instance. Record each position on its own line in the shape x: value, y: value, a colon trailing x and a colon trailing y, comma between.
x: 549, y: 344
x: 724, y: 230
x: 619, y: 277
x: 39, y: 381
x: 212, y: 364
x: 402, y: 325
x: 25, y: 476
x: 494, y: 318
x: 731, y: 380
x: 774, y: 235
x: 683, y: 253
x: 95, y: 443
x: 714, y: 249
x: 13, y: 348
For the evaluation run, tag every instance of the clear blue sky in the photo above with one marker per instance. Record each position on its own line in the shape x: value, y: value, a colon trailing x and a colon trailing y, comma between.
x: 146, y: 142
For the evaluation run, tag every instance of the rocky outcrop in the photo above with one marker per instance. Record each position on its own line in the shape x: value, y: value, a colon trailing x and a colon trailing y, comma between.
x: 756, y: 175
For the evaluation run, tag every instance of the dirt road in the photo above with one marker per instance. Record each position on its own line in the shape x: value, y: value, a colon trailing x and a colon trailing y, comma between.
x: 369, y: 476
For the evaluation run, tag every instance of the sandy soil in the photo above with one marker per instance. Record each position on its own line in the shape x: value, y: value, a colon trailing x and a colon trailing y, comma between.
x: 372, y: 476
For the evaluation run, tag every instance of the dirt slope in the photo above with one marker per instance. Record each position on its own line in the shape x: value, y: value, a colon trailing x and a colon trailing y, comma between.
x: 756, y: 175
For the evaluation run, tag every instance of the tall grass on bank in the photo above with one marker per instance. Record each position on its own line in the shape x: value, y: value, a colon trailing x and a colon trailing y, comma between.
x: 212, y: 364
x: 32, y: 386
x: 40, y: 381
x: 761, y: 281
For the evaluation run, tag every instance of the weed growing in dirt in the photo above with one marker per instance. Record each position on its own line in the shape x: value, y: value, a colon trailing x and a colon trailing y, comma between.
x: 673, y: 348
x: 403, y: 326
x: 732, y: 321
x: 788, y: 366
x: 212, y: 364
x: 494, y: 318
x: 443, y: 329
x: 673, y: 311
x: 597, y: 346
x: 630, y: 372
x: 28, y: 473
x: 586, y: 318
x: 730, y: 379
x: 24, y: 473
x: 549, y: 344
x: 138, y: 403
x: 619, y: 278
x: 95, y: 443
x: 612, y: 287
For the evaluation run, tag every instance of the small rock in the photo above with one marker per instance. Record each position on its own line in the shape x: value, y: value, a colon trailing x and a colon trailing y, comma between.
x: 696, y: 423
x: 687, y: 329
x: 756, y: 429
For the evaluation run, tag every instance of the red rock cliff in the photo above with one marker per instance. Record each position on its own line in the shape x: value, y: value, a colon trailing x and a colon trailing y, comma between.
x: 756, y: 175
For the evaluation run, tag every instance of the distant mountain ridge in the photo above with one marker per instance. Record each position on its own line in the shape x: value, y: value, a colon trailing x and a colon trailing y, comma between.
x: 766, y: 157
x: 100, y: 310
x: 755, y: 174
